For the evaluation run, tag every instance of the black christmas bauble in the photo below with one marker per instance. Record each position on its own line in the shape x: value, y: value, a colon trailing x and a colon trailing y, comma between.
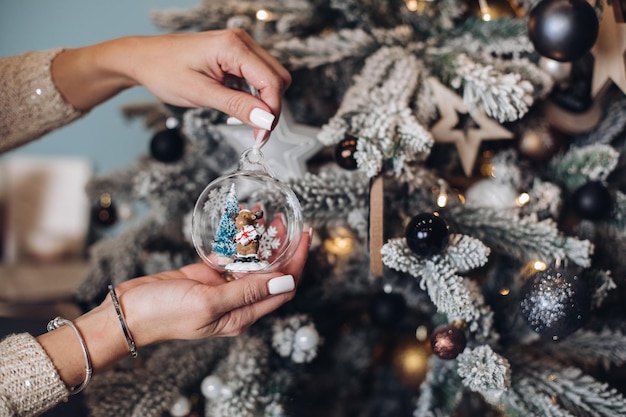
x: 563, y: 30
x: 427, y: 234
x: 387, y: 308
x: 344, y: 153
x: 167, y: 145
x: 592, y: 201
x: 555, y: 304
x: 447, y: 341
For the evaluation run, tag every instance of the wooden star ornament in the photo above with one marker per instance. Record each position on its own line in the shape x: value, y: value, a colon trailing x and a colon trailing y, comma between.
x: 467, y: 130
x: 608, y: 51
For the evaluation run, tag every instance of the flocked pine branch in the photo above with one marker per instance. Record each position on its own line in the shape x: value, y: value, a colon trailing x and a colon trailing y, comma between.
x: 568, y: 389
x: 448, y: 291
x: 606, y: 348
x: 505, y: 97
x: 441, y: 392
x: 520, y: 238
x: 376, y: 110
x: 484, y: 371
x: 168, y: 368
x: 243, y: 375
x: 314, y: 51
x: 499, y: 37
x: 211, y: 15
x: 330, y: 195
x: 580, y: 165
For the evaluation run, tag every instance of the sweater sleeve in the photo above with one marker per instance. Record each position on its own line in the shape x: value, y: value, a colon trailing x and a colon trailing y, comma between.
x: 30, y: 104
x: 29, y: 382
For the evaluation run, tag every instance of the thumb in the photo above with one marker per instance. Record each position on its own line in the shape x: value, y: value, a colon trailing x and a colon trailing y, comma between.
x: 252, y: 289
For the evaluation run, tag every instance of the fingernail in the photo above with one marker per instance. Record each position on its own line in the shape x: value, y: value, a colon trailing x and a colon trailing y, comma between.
x: 281, y: 284
x: 233, y: 121
x: 261, y: 118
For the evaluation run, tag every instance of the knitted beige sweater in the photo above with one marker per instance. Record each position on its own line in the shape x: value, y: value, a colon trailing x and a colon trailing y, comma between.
x: 30, y: 106
x: 29, y: 382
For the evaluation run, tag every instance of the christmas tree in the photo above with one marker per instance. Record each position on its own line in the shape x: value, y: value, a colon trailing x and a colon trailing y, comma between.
x: 463, y: 176
x: 224, y: 243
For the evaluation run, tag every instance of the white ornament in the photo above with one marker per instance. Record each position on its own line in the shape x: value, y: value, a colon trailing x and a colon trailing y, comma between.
x: 492, y: 194
x: 288, y: 149
x: 181, y: 407
x: 307, y: 338
x: 211, y: 387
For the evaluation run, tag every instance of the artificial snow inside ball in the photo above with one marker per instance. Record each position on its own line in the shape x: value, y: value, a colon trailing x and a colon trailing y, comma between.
x: 563, y: 30
x: 307, y: 338
x: 592, y: 201
x: 167, y: 145
x: 427, y: 234
x: 344, y: 153
x: 555, y: 304
x: 448, y: 341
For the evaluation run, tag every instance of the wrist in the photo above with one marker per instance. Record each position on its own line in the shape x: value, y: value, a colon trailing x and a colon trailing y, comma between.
x: 90, y: 75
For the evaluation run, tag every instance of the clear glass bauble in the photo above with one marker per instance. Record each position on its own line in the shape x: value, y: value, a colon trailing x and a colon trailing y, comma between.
x: 247, y: 221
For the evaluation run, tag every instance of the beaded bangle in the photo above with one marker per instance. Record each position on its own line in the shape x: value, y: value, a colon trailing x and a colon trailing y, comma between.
x: 59, y: 322
x: 120, y: 316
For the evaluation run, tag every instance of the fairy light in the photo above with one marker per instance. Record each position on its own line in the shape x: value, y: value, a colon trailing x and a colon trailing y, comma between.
x: 263, y: 15
x: 412, y: 5
x: 485, y: 10
x: 539, y: 266
x: 339, y: 244
x: 421, y: 333
x: 522, y: 199
x: 505, y: 291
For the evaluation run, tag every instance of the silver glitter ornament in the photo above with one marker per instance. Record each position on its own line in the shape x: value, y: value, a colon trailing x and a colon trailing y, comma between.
x: 555, y: 304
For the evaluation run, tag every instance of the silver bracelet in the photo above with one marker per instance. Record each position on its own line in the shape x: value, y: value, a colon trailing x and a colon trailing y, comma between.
x: 59, y: 322
x: 120, y: 316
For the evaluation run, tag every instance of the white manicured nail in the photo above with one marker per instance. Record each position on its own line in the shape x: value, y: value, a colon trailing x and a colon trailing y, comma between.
x: 261, y: 118
x: 281, y: 284
x: 233, y: 121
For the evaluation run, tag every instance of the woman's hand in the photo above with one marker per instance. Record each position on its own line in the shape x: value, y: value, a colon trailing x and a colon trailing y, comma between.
x: 196, y: 302
x: 182, y: 69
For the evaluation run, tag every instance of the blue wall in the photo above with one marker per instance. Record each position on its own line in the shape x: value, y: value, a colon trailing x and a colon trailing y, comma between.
x: 103, y: 136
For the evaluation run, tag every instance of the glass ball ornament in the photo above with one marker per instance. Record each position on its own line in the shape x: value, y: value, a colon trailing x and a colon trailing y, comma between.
x: 592, y: 201
x: 427, y: 234
x: 555, y: 303
x: 307, y: 338
x: 181, y: 407
x: 211, y: 387
x: 563, y: 30
x: 344, y: 153
x: 248, y: 220
x: 448, y: 341
x: 167, y: 145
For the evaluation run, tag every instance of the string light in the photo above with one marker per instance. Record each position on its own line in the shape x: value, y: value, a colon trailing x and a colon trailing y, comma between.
x: 522, y: 199
x: 485, y: 10
x: 412, y: 5
x: 539, y: 266
x: 421, y: 333
x: 263, y: 15
x: 340, y: 243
